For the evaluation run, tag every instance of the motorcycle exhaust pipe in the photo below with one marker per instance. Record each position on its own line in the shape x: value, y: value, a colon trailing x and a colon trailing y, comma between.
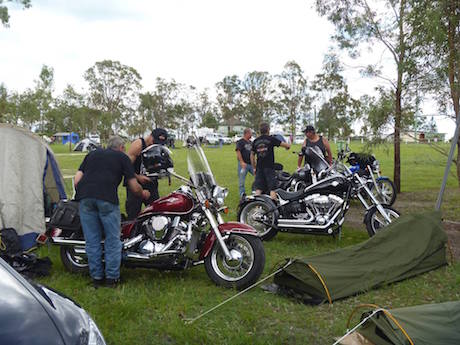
x: 61, y: 241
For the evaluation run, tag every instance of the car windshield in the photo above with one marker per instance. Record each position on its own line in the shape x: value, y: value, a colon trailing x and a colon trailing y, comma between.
x: 198, y: 168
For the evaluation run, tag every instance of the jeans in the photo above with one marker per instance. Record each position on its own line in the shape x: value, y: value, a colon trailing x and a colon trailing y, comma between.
x: 133, y: 203
x: 98, y: 217
x: 242, y: 176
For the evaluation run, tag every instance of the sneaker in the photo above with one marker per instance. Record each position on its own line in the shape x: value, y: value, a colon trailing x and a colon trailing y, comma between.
x: 97, y: 283
x: 112, y: 283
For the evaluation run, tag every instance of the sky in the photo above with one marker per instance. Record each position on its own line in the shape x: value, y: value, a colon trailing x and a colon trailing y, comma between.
x: 195, y: 42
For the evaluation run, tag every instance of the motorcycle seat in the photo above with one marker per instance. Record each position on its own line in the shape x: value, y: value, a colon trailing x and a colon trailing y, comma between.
x: 289, y: 195
x: 284, y: 176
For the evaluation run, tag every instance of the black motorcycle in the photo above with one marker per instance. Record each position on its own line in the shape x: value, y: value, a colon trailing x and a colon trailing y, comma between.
x: 319, y: 208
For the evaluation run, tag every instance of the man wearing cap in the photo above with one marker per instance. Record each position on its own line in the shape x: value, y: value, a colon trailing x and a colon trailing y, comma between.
x: 243, y: 155
x: 312, y: 139
x: 133, y: 203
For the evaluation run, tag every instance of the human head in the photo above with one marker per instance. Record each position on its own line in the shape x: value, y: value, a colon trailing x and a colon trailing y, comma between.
x: 247, y: 133
x: 159, y: 136
x: 310, y: 132
x: 264, y: 128
x: 116, y: 143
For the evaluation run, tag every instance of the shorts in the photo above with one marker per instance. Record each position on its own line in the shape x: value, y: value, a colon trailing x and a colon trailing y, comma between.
x: 265, y: 179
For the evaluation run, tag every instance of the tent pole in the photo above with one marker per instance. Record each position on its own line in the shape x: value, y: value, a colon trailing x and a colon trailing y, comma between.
x: 449, y: 163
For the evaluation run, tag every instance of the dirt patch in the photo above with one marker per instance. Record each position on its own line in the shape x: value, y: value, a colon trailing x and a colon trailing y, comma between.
x: 410, y: 202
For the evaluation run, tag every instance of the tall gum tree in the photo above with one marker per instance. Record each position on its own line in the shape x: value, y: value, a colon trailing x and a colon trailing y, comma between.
x: 362, y: 23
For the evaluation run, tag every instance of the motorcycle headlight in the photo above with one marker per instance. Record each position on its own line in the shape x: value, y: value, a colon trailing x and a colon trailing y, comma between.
x: 95, y: 336
x: 219, y: 194
x: 376, y: 165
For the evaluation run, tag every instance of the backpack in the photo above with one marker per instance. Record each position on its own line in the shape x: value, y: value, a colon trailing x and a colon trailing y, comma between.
x: 10, y: 243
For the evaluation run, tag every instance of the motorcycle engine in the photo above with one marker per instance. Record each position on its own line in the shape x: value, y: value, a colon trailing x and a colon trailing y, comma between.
x: 162, y: 234
x: 322, y: 207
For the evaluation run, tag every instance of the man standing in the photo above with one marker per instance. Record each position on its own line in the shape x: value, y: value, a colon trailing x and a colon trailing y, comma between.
x: 134, y: 203
x: 265, y: 171
x: 96, y: 182
x: 243, y: 154
x: 312, y: 139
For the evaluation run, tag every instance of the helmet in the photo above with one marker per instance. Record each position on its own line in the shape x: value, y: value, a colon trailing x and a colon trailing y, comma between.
x: 156, y: 160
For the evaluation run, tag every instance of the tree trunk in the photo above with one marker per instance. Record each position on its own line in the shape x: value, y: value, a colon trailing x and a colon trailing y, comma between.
x: 397, y: 143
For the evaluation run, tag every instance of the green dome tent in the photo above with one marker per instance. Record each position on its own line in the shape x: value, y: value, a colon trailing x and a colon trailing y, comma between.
x: 411, y: 245
x: 421, y: 325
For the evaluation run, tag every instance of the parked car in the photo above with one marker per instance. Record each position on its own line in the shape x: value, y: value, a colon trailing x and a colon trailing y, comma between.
x: 299, y: 139
x: 227, y: 140
x: 34, y: 314
x: 213, y: 139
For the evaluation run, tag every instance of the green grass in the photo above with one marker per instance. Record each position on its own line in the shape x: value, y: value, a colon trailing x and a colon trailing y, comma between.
x: 150, y: 306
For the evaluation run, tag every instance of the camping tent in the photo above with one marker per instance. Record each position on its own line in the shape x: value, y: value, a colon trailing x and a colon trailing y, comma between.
x: 30, y: 181
x: 422, y: 325
x: 86, y: 145
x: 411, y: 245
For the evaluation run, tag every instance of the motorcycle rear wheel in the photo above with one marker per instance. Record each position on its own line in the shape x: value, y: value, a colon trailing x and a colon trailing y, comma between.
x: 375, y: 222
x: 72, y: 261
x: 239, y: 273
x: 252, y: 213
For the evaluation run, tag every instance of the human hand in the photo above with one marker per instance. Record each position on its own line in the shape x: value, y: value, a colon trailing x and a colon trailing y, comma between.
x: 243, y: 165
x: 143, y: 179
x: 145, y: 194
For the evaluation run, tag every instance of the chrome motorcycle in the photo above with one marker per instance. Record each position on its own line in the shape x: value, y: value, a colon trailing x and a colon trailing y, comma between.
x: 179, y: 231
x: 318, y: 208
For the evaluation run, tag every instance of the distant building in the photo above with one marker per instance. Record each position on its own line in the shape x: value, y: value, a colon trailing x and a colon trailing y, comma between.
x: 421, y: 137
x: 229, y: 127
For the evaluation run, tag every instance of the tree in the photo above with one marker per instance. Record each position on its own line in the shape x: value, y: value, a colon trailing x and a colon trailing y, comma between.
x: 257, y: 94
x: 114, y: 91
x: 43, y: 95
x: 293, y: 101
x: 4, y: 15
x: 338, y: 108
x: 229, y: 99
x: 206, y: 111
x: 438, y: 43
x: 386, y: 22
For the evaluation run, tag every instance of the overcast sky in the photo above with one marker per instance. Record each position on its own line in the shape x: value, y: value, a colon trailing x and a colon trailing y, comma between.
x: 196, y: 42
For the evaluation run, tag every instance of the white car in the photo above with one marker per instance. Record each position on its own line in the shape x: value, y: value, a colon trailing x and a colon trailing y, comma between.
x: 227, y: 140
x: 299, y: 139
x: 213, y: 139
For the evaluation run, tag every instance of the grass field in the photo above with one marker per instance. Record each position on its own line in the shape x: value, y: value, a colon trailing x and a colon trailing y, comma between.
x: 150, y: 306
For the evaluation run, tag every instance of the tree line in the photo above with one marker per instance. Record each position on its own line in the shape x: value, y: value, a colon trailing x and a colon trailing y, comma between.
x: 420, y: 37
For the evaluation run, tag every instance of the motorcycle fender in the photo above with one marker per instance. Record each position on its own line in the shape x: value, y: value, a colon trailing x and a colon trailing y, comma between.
x: 382, y: 178
x: 226, y: 229
x: 252, y: 198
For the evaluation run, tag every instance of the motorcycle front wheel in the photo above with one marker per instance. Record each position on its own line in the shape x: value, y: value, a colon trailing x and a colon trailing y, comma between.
x: 244, y: 269
x: 72, y: 261
x: 255, y: 214
x: 385, y: 192
x: 374, y: 220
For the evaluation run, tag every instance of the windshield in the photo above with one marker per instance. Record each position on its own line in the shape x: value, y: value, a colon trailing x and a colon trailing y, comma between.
x: 198, y: 168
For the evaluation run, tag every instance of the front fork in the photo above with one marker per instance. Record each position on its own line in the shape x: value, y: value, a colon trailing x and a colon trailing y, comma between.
x: 215, y: 228
x: 372, y: 197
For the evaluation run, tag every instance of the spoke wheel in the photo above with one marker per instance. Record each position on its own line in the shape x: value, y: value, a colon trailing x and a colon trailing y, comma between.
x: 73, y: 262
x: 376, y: 222
x: 255, y: 214
x: 245, y: 267
x: 385, y: 192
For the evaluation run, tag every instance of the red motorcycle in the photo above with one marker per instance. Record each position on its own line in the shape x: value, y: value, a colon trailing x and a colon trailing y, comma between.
x: 178, y: 231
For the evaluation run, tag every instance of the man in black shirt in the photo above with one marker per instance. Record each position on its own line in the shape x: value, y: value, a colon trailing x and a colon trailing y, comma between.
x: 96, y: 182
x: 265, y: 172
x: 243, y: 154
x: 133, y: 203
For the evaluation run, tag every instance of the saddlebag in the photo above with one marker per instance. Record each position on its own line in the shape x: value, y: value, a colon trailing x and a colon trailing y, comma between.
x: 66, y: 216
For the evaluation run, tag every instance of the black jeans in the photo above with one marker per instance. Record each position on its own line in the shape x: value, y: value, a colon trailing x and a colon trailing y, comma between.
x: 133, y: 203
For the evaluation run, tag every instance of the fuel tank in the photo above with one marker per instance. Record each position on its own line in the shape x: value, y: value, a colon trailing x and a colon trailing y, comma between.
x: 174, y: 203
x: 337, y: 185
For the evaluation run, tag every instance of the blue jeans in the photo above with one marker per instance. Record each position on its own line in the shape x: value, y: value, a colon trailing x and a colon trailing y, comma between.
x: 97, y: 217
x: 242, y: 176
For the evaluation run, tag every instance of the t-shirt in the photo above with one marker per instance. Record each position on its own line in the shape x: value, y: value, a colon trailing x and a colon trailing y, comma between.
x: 102, y: 173
x: 244, y: 146
x: 263, y: 148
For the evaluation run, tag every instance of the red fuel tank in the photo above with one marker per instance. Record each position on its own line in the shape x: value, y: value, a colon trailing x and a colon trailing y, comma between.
x: 174, y: 203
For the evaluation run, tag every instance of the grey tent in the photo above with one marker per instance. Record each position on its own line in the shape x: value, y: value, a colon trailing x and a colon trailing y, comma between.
x: 30, y: 181
x: 422, y: 325
x: 86, y: 145
x: 411, y: 245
